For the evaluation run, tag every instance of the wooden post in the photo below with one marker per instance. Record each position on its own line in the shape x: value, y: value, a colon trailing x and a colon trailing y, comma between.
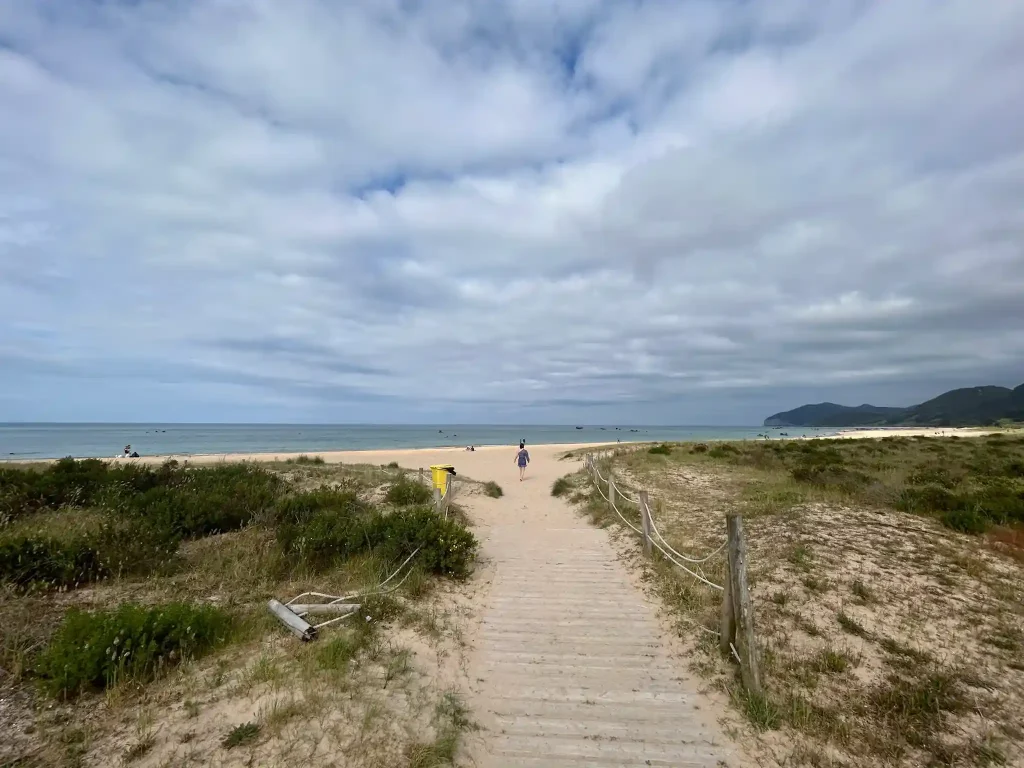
x: 727, y: 630
x: 420, y: 478
x: 742, y: 610
x: 611, y: 490
x: 645, y: 521
x: 437, y: 500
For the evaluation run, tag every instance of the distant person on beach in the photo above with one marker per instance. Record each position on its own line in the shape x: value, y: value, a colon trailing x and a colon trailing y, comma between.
x: 522, y: 459
x: 127, y: 451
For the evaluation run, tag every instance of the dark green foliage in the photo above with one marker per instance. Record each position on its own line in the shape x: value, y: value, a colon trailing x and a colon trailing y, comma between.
x: 493, y: 490
x: 95, y: 650
x: 117, y: 547
x: 240, y: 735
x: 306, y: 460
x: 198, y: 502
x: 406, y: 492
x: 660, y: 450
x: 393, y: 465
x: 699, y: 448
x: 324, y: 526
x: 144, y: 513
x: 190, y: 501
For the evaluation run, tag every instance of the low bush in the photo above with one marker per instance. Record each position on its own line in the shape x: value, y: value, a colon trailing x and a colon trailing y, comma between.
x: 95, y: 650
x: 561, y: 486
x: 303, y: 459
x: 660, y: 450
x: 723, y: 451
x: 493, y: 490
x: 699, y: 448
x: 406, y: 492
x: 191, y: 501
x: 324, y: 527
x: 118, y: 546
x: 198, y: 502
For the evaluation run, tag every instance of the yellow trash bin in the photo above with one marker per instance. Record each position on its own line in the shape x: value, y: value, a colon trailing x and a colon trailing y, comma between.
x: 440, y: 474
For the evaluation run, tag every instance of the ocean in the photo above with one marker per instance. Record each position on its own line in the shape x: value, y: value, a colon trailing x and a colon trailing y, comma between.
x: 48, y: 441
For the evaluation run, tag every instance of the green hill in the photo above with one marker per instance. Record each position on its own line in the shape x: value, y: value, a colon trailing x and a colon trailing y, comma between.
x: 971, y: 406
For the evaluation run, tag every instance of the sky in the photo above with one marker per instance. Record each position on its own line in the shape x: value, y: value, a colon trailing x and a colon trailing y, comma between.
x: 506, y: 211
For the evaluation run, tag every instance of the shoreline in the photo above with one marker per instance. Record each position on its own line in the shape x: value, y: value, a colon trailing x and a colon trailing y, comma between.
x: 446, y: 453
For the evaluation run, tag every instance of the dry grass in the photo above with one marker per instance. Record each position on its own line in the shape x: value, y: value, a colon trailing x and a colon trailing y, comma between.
x: 886, y: 639
x: 370, y: 689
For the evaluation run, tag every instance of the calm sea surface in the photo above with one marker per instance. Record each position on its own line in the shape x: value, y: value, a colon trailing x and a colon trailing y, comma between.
x: 39, y: 441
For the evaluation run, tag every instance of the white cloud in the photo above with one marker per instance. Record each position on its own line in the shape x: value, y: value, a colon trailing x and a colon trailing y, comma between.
x: 658, y: 207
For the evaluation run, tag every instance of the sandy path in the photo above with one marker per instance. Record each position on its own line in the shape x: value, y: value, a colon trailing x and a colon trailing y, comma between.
x: 567, y: 665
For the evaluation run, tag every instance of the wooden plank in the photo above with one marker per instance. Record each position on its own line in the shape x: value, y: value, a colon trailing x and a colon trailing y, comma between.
x: 727, y: 630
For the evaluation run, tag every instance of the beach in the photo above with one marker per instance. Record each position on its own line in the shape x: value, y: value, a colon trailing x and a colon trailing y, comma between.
x: 492, y: 456
x: 485, y: 463
x: 869, y: 432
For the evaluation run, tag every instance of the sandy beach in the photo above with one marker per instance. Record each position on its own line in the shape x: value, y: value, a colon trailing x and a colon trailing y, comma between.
x: 492, y: 456
x: 866, y: 432
x: 489, y: 462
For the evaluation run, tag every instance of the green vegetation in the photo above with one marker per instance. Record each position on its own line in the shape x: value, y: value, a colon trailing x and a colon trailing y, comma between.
x: 306, y: 460
x: 660, y: 450
x: 175, y: 537
x: 100, y: 649
x: 493, y: 490
x: 561, y: 486
x: 137, y: 517
x: 240, y: 735
x: 325, y: 526
x: 971, y: 406
x: 407, y: 492
x: 968, y: 485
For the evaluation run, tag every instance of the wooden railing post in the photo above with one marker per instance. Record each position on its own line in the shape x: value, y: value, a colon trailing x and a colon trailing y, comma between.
x: 742, y: 610
x: 437, y: 500
x: 611, y: 489
x: 645, y: 521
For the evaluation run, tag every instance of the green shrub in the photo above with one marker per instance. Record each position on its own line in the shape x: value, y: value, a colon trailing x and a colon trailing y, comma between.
x: 95, y: 650
x: 393, y: 465
x: 699, y: 448
x: 660, y: 450
x: 406, y: 492
x: 446, y: 547
x: 192, y: 501
x: 723, y: 451
x: 201, y: 501
x: 117, y: 547
x: 304, y: 459
x: 493, y: 490
x: 561, y: 486
x: 964, y: 520
x: 326, y: 530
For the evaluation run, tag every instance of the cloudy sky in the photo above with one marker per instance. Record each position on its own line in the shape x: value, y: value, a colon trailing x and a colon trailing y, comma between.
x: 700, y: 211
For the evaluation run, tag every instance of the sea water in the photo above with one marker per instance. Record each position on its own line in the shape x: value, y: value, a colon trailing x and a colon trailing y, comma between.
x: 45, y: 441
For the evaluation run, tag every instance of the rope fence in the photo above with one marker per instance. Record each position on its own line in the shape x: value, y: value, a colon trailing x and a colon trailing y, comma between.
x: 736, y: 632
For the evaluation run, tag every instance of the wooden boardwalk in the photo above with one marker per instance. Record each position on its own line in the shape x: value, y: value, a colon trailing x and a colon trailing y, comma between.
x: 569, y: 668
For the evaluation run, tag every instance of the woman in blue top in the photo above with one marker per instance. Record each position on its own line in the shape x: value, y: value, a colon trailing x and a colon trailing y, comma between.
x: 522, y: 459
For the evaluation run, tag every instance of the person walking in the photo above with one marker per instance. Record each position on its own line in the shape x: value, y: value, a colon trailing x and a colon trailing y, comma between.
x: 522, y: 459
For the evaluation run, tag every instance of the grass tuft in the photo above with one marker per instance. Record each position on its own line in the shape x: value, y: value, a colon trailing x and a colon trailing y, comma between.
x: 561, y: 486
x: 493, y: 490
x: 246, y: 733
